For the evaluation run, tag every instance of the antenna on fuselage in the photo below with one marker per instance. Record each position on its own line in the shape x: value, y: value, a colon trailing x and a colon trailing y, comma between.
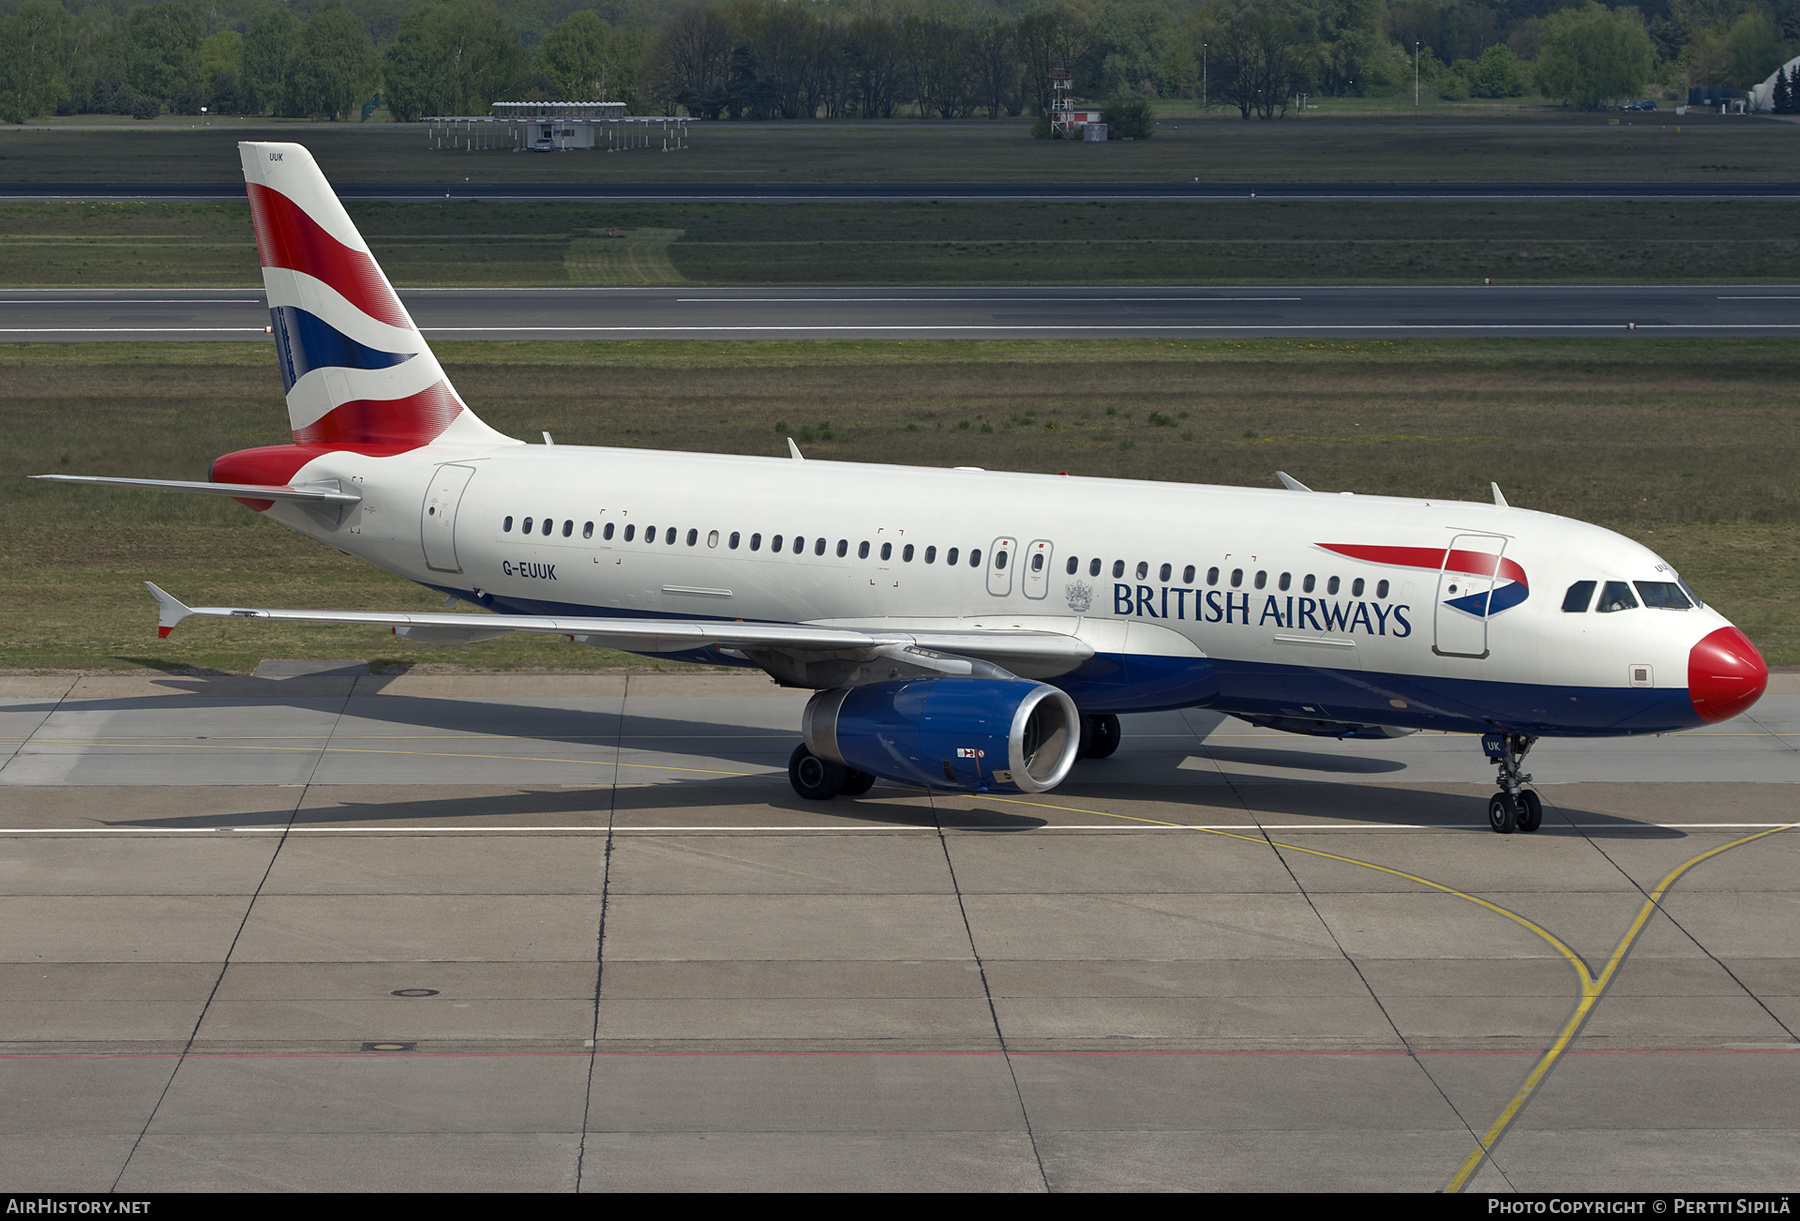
x: 1290, y: 483
x: 1498, y: 498
x: 795, y: 451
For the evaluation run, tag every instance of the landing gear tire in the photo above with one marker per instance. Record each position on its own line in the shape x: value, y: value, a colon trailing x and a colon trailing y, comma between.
x: 857, y: 783
x: 814, y: 778
x: 1100, y: 736
x: 1531, y: 811
x: 1503, y: 813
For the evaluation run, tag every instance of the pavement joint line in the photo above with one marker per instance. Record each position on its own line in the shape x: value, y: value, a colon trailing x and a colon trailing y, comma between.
x: 885, y: 828
x: 1593, y: 987
x: 432, y: 754
x: 822, y: 1053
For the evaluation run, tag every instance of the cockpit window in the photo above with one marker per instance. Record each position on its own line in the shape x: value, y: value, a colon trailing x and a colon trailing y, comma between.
x: 1663, y: 595
x: 1689, y: 591
x: 1580, y: 595
x: 1616, y: 596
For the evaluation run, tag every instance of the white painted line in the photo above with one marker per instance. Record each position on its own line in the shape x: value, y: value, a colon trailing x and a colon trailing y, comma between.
x: 966, y: 300
x: 1238, y: 828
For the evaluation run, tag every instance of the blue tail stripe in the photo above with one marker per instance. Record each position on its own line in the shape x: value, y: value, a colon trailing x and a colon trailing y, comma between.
x: 304, y: 342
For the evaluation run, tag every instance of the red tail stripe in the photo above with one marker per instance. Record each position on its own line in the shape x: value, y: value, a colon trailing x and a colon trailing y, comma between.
x: 287, y: 237
x: 1476, y: 563
x: 417, y: 419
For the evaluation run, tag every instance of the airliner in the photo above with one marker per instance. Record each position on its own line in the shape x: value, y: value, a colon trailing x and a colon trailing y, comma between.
x: 963, y: 629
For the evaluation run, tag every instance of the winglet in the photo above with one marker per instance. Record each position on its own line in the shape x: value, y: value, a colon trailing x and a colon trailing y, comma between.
x: 1498, y: 498
x: 795, y: 451
x: 1290, y: 483
x: 170, y: 610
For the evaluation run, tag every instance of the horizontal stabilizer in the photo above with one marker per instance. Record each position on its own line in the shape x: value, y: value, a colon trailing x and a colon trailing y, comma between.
x: 319, y: 494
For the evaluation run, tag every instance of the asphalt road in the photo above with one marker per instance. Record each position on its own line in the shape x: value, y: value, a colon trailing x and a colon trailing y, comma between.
x: 77, y: 315
x: 881, y: 192
x: 575, y: 932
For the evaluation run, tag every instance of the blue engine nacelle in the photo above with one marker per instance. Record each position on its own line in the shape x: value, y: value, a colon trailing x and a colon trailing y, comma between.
x: 974, y: 735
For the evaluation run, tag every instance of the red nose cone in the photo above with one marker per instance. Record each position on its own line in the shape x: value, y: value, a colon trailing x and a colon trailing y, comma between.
x: 1725, y: 675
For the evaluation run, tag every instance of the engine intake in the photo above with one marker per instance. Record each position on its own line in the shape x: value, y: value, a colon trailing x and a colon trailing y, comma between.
x: 974, y: 735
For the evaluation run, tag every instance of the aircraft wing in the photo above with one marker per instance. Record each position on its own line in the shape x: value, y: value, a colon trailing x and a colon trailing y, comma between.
x: 800, y: 654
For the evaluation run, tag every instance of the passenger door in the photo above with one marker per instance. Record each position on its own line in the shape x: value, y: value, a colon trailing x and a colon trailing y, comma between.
x: 1036, y: 560
x: 437, y: 516
x: 1465, y: 587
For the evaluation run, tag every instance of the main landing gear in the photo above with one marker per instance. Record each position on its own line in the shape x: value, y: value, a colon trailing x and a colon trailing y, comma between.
x: 1099, y: 736
x: 1514, y: 807
x: 819, y: 779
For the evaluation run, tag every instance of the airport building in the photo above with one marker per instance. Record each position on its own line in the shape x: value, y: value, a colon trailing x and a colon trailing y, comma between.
x: 555, y: 127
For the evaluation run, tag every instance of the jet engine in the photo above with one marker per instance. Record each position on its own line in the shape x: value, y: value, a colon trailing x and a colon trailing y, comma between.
x: 975, y: 735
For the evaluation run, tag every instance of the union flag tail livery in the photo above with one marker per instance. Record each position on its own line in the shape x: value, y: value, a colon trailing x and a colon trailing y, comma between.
x: 357, y: 373
x: 967, y: 630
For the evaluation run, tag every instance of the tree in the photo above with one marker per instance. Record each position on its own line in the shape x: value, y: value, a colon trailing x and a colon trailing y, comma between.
x: 452, y: 58
x: 575, y: 56
x: 1589, y: 56
x: 1261, y: 59
x: 334, y: 68
x: 32, y: 45
x: 1497, y: 74
x: 691, y: 60
x: 268, y: 46
x: 162, y: 44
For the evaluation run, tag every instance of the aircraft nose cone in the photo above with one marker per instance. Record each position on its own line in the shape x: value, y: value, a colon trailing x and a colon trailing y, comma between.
x: 1725, y: 675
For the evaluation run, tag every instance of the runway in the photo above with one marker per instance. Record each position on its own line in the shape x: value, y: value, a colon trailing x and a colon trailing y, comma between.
x: 320, y: 930
x: 922, y: 192
x: 693, y: 312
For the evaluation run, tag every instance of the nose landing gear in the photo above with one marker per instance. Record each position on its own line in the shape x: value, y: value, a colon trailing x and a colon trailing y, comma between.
x: 1514, y: 807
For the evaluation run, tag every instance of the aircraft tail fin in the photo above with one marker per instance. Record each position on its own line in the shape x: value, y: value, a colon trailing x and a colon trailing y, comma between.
x: 357, y: 372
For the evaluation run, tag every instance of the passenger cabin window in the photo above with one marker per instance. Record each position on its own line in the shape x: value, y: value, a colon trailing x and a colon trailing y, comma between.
x: 799, y: 545
x: 1579, y: 598
x: 819, y: 546
x: 1663, y: 595
x: 1094, y: 567
x: 1187, y: 575
x: 669, y: 537
x: 999, y: 560
x: 549, y: 525
x: 712, y: 538
x: 1118, y: 569
x: 732, y: 542
x: 1143, y: 570
x: 608, y: 532
x: 1356, y: 588
x: 587, y: 530
x: 1262, y: 579
x: 1616, y: 596
x: 1286, y: 580
x: 506, y: 526
x: 1306, y: 586
x: 930, y: 555
x: 1073, y: 566
x: 629, y: 531
x: 950, y: 556
x: 1037, y: 562
x: 907, y: 554
x: 975, y: 558
x: 569, y: 528
x: 775, y: 544
x: 756, y: 542
x: 1237, y: 577
x: 1381, y: 589
x: 844, y: 548
x: 887, y: 550
x: 525, y: 526
x: 1331, y: 586
x: 862, y: 551
x: 1165, y: 572
x: 1212, y: 576
x: 649, y: 534
x: 693, y: 537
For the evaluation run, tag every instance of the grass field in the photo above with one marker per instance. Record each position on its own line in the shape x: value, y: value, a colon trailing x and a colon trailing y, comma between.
x: 1525, y: 144
x: 1688, y: 445
x: 480, y: 243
